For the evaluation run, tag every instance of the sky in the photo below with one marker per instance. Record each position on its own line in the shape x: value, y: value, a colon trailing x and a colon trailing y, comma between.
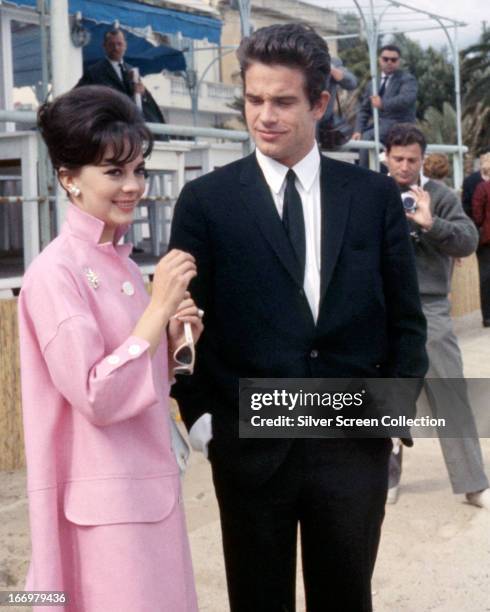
x: 471, y: 12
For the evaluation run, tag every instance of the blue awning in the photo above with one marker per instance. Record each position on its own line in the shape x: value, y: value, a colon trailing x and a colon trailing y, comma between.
x: 132, y: 14
x: 26, y: 46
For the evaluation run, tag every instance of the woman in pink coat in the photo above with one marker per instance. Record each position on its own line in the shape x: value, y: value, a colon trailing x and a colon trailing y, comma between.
x: 106, y: 516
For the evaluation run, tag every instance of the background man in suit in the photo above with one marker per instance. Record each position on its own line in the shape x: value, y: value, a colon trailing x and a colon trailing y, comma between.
x: 340, y: 76
x: 440, y: 232
x: 333, y: 119
x: 470, y: 183
x: 114, y: 72
x: 304, y: 270
x: 397, y: 94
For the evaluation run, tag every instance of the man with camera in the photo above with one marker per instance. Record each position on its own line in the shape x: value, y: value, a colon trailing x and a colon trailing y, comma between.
x: 440, y: 231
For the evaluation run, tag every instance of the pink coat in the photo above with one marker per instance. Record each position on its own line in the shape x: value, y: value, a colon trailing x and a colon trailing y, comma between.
x: 105, y: 507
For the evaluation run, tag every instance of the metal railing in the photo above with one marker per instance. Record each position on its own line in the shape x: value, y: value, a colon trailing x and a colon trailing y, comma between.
x: 241, y: 136
x: 156, y: 128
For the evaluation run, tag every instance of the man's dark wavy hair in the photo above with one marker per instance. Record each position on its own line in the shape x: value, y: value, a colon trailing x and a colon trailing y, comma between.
x: 403, y: 135
x: 291, y: 45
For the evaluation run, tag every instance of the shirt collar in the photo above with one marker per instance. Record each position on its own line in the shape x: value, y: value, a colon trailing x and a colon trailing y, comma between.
x: 89, y: 228
x: 115, y: 65
x: 306, y: 169
x: 423, y: 180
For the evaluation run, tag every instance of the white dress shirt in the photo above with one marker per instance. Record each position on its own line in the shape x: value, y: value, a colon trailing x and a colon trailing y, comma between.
x: 117, y: 68
x: 386, y: 78
x: 308, y: 185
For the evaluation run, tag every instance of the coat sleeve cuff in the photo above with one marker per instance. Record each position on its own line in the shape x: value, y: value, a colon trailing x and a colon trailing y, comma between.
x: 132, y: 348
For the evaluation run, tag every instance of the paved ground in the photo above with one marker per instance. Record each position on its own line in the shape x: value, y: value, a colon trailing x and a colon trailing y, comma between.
x: 435, y: 549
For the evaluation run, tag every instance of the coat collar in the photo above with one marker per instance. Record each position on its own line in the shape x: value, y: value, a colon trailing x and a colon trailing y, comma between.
x: 89, y: 229
x: 109, y: 73
x: 257, y: 198
x: 275, y: 172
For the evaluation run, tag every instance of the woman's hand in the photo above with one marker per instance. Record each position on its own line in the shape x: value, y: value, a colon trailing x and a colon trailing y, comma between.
x: 170, y: 281
x: 187, y: 312
x: 172, y: 276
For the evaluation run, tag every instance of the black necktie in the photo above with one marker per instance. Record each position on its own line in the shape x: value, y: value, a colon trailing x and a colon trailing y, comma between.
x: 293, y: 220
x: 381, y: 91
x: 125, y: 80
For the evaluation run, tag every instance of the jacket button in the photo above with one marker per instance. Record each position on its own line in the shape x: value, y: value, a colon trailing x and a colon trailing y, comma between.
x: 301, y: 292
x: 127, y: 288
x: 314, y: 354
x: 134, y: 349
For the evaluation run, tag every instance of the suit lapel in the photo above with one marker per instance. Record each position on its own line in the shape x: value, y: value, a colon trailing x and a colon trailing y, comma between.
x: 257, y: 198
x: 127, y: 79
x: 389, y: 82
x: 392, y: 81
x: 111, y: 75
x: 336, y: 199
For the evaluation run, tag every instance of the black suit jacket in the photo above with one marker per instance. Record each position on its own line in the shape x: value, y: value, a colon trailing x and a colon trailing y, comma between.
x: 102, y: 73
x: 257, y: 319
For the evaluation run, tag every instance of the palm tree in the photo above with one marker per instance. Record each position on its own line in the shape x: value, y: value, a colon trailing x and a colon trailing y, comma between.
x: 439, y: 127
x: 475, y: 72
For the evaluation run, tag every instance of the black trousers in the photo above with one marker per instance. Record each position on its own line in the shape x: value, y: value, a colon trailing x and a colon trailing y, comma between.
x: 483, y: 255
x: 335, y: 490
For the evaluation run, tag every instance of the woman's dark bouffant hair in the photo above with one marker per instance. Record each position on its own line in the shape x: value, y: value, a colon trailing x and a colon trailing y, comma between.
x: 79, y: 127
x: 291, y: 45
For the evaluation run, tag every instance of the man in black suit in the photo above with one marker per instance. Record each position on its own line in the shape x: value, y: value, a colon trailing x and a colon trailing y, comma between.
x: 304, y: 270
x: 114, y: 72
x: 395, y: 100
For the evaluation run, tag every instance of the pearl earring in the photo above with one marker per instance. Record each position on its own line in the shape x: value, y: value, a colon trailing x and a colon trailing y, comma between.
x: 74, y: 190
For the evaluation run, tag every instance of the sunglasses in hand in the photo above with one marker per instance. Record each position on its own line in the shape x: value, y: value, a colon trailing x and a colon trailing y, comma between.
x: 185, y: 354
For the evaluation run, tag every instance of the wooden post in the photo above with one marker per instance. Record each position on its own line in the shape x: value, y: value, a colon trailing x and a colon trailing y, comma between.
x: 11, y: 436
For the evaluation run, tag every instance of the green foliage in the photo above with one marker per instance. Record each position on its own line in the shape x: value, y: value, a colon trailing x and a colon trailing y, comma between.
x: 353, y: 51
x: 355, y: 55
x: 475, y: 71
x: 439, y: 127
x: 475, y: 74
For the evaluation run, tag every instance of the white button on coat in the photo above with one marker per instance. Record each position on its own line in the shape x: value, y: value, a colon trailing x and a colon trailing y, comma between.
x: 134, y: 349
x: 113, y: 359
x: 128, y: 288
